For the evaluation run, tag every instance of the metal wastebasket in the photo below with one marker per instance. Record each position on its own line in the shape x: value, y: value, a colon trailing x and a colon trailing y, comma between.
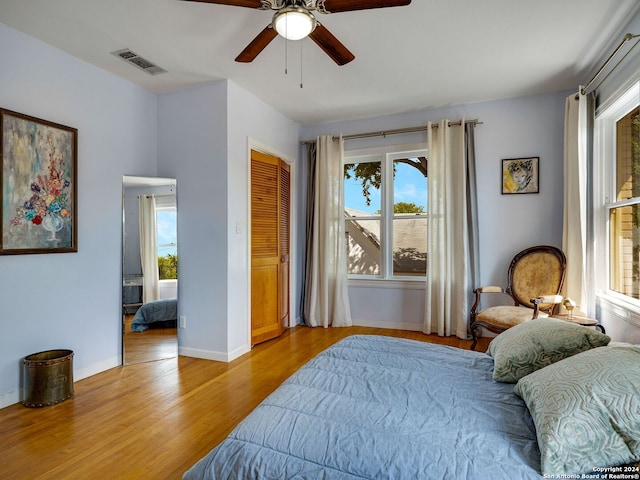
x: 48, y: 378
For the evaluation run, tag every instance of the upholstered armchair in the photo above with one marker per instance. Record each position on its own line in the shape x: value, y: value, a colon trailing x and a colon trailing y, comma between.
x: 535, y: 278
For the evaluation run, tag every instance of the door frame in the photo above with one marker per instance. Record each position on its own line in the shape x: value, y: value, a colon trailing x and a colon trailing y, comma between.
x: 253, y: 144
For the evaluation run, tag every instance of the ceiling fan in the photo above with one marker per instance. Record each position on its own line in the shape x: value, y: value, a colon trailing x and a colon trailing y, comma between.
x: 294, y: 20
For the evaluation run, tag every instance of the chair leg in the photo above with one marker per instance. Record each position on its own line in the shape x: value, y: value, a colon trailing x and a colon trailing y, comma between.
x: 474, y: 333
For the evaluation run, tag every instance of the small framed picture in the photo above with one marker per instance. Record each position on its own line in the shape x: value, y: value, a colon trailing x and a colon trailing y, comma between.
x: 520, y: 175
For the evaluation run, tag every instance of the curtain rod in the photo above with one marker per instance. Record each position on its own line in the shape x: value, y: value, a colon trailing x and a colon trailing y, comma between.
x: 384, y: 133
x: 625, y: 39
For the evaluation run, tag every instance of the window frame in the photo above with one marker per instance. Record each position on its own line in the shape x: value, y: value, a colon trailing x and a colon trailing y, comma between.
x: 605, y: 193
x: 167, y: 203
x: 386, y: 155
x: 167, y: 208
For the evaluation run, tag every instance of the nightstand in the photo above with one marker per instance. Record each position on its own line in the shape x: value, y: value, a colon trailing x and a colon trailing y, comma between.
x: 580, y: 320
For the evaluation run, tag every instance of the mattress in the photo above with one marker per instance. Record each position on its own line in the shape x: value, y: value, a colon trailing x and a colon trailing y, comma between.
x: 163, y: 311
x: 382, y: 407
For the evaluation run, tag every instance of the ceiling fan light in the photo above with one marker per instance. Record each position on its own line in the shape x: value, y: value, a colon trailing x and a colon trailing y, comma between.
x: 294, y: 23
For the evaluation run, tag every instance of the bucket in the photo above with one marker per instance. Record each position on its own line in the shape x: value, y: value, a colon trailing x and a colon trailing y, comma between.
x: 48, y: 378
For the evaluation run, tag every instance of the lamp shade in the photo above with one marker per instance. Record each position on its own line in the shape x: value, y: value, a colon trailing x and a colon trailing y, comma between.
x: 294, y: 23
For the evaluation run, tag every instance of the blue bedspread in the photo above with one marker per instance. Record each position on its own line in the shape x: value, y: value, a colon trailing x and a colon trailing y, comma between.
x: 157, y: 311
x: 381, y: 407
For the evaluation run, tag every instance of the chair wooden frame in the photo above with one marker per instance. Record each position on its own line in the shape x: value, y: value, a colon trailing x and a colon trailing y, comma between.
x: 519, y: 301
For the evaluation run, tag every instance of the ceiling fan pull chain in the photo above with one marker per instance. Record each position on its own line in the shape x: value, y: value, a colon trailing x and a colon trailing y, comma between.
x: 286, y: 50
x: 301, y: 64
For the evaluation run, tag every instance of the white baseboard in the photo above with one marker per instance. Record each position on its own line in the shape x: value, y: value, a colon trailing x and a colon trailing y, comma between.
x: 15, y: 396
x: 414, y: 327
x: 212, y: 355
x: 94, y: 369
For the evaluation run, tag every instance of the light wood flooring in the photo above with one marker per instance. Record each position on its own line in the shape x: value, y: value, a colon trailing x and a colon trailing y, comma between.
x: 154, y: 420
x: 152, y: 344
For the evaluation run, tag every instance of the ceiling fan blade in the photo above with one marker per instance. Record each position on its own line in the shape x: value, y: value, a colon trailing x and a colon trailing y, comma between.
x: 331, y: 45
x: 235, y: 3
x: 258, y: 44
x: 336, y: 6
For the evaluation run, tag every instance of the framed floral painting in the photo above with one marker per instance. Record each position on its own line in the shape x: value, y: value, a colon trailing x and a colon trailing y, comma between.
x: 39, y: 185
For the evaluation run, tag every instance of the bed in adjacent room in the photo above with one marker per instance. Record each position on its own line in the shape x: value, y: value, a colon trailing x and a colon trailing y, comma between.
x: 382, y: 407
x: 163, y: 312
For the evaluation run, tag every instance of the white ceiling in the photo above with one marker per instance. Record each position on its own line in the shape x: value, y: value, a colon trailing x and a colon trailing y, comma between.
x: 428, y: 54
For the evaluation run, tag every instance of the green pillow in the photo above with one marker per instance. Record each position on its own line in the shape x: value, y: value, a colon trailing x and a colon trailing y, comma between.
x: 532, y: 345
x: 586, y: 410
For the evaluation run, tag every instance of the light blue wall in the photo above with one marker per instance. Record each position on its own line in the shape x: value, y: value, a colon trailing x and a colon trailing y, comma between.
x: 72, y: 300
x: 252, y: 124
x: 205, y: 135
x: 611, y: 83
x: 521, y: 127
x: 192, y: 139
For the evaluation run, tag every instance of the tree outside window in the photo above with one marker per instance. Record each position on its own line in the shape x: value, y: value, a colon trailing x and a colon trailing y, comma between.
x: 386, y: 214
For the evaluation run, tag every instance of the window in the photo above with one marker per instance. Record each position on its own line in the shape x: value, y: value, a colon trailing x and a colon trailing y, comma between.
x: 624, y: 243
x: 386, y: 214
x: 166, y: 217
x: 618, y: 137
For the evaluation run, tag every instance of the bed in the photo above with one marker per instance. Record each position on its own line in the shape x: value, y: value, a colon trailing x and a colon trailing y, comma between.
x: 163, y: 312
x: 383, y: 407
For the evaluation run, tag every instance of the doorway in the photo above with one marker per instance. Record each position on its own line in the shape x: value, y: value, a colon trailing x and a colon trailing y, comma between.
x: 149, y: 269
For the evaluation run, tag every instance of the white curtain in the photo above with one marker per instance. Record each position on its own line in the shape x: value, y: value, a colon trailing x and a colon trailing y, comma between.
x: 448, y: 273
x: 328, y: 295
x: 148, y: 247
x: 575, y: 215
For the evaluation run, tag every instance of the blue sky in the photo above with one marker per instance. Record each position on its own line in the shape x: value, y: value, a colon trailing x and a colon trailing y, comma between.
x: 409, y: 186
x: 166, y: 225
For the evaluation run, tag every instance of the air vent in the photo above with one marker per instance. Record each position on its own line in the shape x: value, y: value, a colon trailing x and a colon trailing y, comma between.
x: 142, y: 63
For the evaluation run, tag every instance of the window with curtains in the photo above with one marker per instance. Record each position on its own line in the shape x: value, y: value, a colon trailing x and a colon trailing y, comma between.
x: 385, y: 212
x: 618, y: 154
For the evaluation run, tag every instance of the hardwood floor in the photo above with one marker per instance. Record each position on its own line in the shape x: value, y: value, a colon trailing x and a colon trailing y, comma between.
x: 154, y: 420
x: 152, y: 344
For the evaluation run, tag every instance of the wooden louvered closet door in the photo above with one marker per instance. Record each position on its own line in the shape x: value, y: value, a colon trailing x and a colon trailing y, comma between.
x: 270, y: 207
